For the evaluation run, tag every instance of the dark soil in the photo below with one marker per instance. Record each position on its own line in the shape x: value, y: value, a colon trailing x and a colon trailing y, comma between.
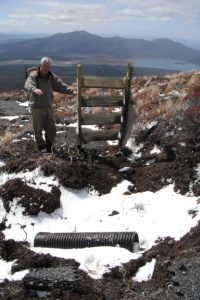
x: 33, y: 201
x: 177, y: 262
x: 179, y: 142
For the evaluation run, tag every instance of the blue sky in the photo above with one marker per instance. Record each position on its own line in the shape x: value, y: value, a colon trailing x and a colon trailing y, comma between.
x: 176, y: 19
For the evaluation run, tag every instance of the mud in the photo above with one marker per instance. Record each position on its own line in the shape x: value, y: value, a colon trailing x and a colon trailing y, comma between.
x: 32, y: 200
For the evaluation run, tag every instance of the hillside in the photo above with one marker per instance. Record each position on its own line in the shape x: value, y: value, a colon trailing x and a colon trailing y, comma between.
x: 163, y: 149
x: 17, y: 37
x: 79, y: 44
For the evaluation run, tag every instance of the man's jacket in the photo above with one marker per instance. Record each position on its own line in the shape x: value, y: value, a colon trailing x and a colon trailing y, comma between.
x: 48, y: 83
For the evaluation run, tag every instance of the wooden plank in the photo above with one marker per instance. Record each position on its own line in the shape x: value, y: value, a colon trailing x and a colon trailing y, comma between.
x: 98, y: 145
x: 101, y: 118
x: 100, y: 135
x: 102, y: 82
x: 102, y: 101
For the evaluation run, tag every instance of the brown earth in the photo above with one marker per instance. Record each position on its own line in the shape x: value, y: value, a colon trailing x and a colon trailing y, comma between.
x: 177, y: 262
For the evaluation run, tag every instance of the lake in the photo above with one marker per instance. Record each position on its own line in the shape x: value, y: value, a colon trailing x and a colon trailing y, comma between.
x: 165, y: 64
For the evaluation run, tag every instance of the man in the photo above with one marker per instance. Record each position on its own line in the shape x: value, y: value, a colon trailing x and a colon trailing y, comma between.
x: 40, y: 84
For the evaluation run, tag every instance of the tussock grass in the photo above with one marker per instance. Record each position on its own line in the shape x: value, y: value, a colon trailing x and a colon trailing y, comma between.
x: 9, y: 136
x: 47, y: 159
x: 154, y: 96
x: 65, y: 105
x: 157, y: 97
x: 194, y: 85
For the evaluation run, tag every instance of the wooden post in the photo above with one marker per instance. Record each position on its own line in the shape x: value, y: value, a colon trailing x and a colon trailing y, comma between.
x: 79, y: 139
x: 127, y: 95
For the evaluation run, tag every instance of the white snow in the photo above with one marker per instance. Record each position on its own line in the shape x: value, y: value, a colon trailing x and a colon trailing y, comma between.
x: 155, y: 150
x: 151, y: 215
x: 145, y: 273
x: 6, y: 271
x: 10, y: 118
x: 25, y: 104
x: 2, y: 163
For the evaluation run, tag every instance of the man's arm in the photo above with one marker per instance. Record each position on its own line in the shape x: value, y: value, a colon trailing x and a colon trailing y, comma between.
x: 61, y: 87
x: 31, y: 85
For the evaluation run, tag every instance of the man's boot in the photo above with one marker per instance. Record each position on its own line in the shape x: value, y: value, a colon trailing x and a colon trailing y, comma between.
x: 49, y: 148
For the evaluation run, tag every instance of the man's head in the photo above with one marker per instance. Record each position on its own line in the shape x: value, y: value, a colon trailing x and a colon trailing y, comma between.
x: 45, y: 65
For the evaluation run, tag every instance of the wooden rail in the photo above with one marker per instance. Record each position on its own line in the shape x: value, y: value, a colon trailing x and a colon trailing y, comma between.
x: 102, y: 101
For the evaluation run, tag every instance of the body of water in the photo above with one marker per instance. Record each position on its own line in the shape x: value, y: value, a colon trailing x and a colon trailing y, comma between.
x: 165, y: 64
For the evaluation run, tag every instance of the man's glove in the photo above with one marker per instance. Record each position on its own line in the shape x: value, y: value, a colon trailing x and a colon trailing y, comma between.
x: 38, y: 92
x: 72, y: 92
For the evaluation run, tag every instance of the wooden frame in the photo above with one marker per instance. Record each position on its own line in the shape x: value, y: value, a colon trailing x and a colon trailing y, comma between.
x: 111, y: 118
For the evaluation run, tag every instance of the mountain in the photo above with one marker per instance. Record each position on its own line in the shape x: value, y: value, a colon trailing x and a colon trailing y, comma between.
x: 81, y: 43
x: 13, y: 37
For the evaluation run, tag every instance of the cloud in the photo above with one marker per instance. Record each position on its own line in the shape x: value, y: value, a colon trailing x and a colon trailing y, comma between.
x: 102, y: 16
x: 104, y: 11
x: 133, y: 13
x: 47, y: 12
x: 160, y: 9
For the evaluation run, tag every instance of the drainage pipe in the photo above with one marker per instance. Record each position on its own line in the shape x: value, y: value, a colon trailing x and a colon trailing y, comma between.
x: 127, y: 239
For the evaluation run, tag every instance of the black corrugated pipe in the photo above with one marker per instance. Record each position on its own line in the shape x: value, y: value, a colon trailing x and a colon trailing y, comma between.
x: 127, y: 239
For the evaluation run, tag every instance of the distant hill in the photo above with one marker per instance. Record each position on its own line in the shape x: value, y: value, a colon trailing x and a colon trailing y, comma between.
x: 18, y: 37
x: 81, y: 43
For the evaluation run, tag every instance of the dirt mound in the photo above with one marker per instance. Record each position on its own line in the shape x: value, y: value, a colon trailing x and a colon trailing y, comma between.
x: 175, y: 273
x: 72, y: 170
x: 80, y: 286
x: 168, y: 148
x: 32, y: 200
